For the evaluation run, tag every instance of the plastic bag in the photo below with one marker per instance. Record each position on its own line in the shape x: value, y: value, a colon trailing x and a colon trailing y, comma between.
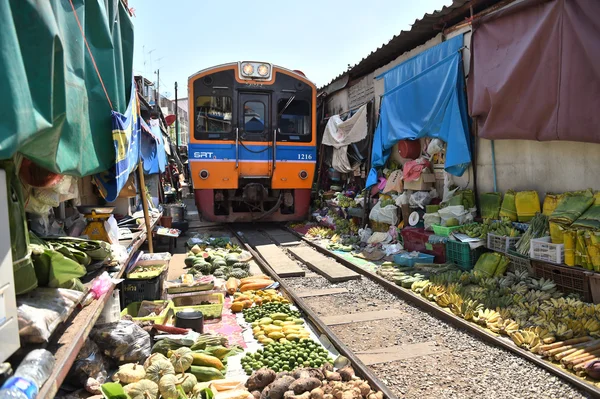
x: 420, y: 199
x: 448, y: 194
x: 403, y: 199
x: 435, y: 147
x: 365, y: 234
x: 101, y: 285
x: 429, y: 219
x: 528, y: 204
x: 387, y: 214
x: 90, y: 368
x: 457, y: 212
x: 509, y: 207
x: 392, y: 249
x: 124, y: 341
x: 550, y: 202
x: 42, y: 310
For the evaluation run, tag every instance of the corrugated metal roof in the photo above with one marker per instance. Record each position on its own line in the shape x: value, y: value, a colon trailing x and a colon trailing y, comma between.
x: 422, y: 30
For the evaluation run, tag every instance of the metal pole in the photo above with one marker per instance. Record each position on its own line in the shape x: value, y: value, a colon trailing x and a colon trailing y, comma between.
x: 142, y: 188
x: 157, y: 94
x: 176, y: 120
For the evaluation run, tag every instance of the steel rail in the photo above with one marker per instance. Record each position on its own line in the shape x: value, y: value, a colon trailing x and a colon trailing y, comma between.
x: 359, y: 367
x: 456, y: 321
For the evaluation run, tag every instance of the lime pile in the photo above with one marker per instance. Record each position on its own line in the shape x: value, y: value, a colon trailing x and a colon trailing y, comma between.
x: 287, y: 357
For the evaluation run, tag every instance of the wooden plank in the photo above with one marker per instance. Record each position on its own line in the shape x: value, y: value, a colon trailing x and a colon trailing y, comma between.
x: 362, y: 316
x: 324, y: 292
x: 330, y: 269
x: 279, y: 261
x: 282, y: 237
x: 311, y: 275
x: 399, y: 352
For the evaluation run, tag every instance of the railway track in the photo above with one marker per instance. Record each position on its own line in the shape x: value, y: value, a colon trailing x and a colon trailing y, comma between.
x: 403, y: 345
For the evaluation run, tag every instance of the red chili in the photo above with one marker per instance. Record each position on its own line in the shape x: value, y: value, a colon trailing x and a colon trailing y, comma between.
x: 170, y: 329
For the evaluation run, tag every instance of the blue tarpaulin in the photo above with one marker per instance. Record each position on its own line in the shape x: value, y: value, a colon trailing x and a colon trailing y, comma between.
x: 153, y: 149
x: 424, y: 97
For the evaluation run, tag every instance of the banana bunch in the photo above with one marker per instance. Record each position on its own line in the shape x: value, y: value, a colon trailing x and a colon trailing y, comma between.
x: 431, y: 292
x: 419, y: 286
x: 448, y: 298
x: 485, y: 316
x: 469, y: 308
x: 591, y: 326
x: 542, y: 285
x: 319, y: 232
x: 561, y: 331
x: 527, y: 339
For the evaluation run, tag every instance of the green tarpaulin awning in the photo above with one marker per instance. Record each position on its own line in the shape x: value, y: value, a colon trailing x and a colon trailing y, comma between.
x: 54, y: 109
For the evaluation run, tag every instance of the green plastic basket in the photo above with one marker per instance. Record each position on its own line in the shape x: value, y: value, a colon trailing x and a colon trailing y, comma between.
x: 461, y: 254
x: 209, y: 311
x: 133, y: 308
x: 443, y: 230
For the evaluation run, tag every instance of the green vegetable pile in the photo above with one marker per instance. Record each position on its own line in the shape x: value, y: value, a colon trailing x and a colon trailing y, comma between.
x: 258, y: 312
x: 287, y: 357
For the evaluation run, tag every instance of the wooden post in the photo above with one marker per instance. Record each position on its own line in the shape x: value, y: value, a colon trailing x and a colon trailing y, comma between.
x: 142, y: 188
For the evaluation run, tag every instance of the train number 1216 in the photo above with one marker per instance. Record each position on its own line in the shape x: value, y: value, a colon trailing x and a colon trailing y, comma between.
x: 305, y: 157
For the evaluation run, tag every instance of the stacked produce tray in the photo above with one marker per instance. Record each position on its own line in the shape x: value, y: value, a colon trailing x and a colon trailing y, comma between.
x: 462, y: 255
x: 568, y: 279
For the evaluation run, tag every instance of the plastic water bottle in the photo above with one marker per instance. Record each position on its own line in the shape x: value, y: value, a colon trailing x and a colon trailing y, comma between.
x: 31, y: 374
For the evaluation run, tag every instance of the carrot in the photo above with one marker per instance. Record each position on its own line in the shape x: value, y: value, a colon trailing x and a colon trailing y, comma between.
x: 232, y: 285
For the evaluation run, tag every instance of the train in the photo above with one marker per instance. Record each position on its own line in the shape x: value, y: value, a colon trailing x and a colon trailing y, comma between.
x: 252, y: 146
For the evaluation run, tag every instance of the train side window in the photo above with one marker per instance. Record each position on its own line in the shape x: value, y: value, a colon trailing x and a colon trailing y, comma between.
x: 213, y: 114
x: 294, y: 120
x: 254, y: 117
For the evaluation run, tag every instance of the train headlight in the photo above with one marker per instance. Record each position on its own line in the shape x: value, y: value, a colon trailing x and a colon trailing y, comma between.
x: 303, y: 174
x: 204, y: 174
x: 263, y: 70
x: 248, y: 69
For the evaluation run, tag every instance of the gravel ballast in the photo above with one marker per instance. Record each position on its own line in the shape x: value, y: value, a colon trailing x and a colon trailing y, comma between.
x: 465, y: 367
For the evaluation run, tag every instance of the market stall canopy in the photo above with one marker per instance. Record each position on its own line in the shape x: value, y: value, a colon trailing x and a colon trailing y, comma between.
x: 56, y: 111
x: 424, y: 97
x: 535, y: 72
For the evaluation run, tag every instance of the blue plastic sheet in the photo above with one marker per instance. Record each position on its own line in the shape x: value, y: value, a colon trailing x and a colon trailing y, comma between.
x: 153, y: 149
x: 424, y: 97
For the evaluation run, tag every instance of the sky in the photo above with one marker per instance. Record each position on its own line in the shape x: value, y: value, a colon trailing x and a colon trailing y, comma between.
x: 319, y: 37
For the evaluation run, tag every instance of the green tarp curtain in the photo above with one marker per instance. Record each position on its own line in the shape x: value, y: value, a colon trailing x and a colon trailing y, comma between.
x: 55, y: 111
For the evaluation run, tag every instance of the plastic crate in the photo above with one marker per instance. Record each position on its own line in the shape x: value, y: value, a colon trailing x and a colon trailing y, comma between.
x: 568, y: 279
x: 135, y: 290
x: 133, y: 308
x: 209, y: 311
x: 518, y: 262
x: 404, y: 259
x: 543, y: 249
x: 443, y: 230
x: 501, y: 243
x: 594, y: 279
x: 461, y: 254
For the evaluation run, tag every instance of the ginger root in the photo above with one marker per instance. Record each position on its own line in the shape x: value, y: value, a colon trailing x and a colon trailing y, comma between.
x: 333, y: 376
x: 317, y: 393
x: 347, y: 373
x: 375, y: 395
x: 291, y: 395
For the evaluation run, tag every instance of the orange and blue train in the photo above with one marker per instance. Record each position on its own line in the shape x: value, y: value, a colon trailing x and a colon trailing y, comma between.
x: 252, y: 147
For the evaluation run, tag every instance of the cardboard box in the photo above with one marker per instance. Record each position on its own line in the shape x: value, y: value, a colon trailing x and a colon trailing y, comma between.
x: 425, y: 182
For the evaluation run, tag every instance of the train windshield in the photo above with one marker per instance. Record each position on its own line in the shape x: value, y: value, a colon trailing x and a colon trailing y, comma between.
x: 213, y: 114
x: 295, y: 119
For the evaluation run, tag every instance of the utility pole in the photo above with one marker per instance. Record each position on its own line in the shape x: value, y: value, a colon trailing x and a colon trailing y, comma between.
x: 176, y: 119
x: 157, y: 99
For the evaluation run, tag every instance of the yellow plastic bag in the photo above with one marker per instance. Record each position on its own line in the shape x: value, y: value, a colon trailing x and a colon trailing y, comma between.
x: 556, y: 233
x: 593, y: 244
x: 528, y: 204
x: 550, y: 203
x: 570, y: 237
x: 508, y: 208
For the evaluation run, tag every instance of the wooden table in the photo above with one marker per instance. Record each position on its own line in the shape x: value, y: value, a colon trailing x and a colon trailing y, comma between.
x: 67, y: 340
